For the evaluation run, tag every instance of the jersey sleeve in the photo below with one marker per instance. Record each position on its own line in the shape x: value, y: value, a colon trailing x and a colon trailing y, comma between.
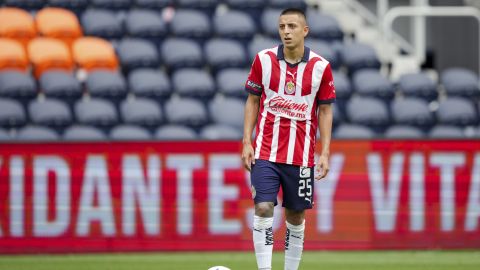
x: 326, y: 94
x: 254, y: 81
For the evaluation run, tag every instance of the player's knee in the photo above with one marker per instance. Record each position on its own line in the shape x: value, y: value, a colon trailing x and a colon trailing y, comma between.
x: 294, y: 217
x: 264, y: 209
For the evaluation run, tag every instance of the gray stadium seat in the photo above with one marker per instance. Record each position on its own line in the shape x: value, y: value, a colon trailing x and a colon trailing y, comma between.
x: 404, y: 132
x: 358, y: 56
x: 324, y: 50
x: 446, y: 132
x: 25, y: 4
x: 186, y: 111
x: 129, y: 132
x: 224, y: 53
x: 368, y: 111
x: 83, y: 133
x: 323, y: 26
x: 175, y: 132
x: 149, y: 83
x: 343, y: 87
x: 145, y: 24
x: 137, y: 53
x: 50, y: 112
x: 227, y: 111
x: 60, y: 84
x: 283, y: 4
x: 16, y: 84
x: 457, y: 111
x: 269, y: 21
x: 37, y: 133
x: 353, y: 131
x: 4, y: 136
x: 141, y: 111
x: 337, y: 114
x: 370, y: 82
x: 234, y: 24
x: 111, y: 4
x: 259, y: 44
x: 76, y: 6
x: 191, y: 82
x: 412, y: 111
x: 106, y: 84
x: 101, y: 23
x: 180, y: 52
x: 208, y: 6
x: 231, y: 82
x: 460, y: 82
x: 220, y: 132
x: 153, y: 4
x: 12, y: 114
x: 190, y: 24
x: 97, y: 112
x: 418, y: 85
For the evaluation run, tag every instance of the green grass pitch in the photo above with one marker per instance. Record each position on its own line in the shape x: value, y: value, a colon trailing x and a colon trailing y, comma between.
x: 338, y: 260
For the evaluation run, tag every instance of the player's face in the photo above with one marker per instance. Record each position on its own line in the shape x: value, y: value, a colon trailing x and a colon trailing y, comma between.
x: 292, y: 29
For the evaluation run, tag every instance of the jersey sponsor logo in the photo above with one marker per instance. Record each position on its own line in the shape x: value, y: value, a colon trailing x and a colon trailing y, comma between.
x: 304, y: 172
x: 288, y: 107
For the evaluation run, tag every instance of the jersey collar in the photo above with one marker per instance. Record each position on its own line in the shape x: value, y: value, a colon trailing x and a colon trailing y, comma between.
x: 306, y: 53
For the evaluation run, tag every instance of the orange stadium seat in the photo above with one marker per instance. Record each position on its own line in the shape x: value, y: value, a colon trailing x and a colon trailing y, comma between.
x: 92, y: 52
x: 49, y: 53
x: 58, y: 23
x: 18, y: 24
x: 12, y: 55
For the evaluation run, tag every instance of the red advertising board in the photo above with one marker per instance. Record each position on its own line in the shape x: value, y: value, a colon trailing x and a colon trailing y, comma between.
x: 147, y: 196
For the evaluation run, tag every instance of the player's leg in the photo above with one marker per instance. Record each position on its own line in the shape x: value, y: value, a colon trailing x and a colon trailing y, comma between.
x: 297, y: 185
x: 265, y: 186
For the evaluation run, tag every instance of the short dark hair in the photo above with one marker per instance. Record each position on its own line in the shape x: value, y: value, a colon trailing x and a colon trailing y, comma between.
x: 294, y: 11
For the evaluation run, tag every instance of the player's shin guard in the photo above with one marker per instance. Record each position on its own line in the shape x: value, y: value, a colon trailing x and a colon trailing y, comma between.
x: 263, y: 241
x: 294, y: 245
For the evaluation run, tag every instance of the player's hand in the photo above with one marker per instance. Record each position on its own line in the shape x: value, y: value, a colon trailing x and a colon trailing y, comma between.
x: 248, y: 156
x: 322, y: 168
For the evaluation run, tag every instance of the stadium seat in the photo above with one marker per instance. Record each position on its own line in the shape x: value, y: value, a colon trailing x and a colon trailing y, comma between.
x: 191, y: 24
x: 196, y: 83
x: 175, y: 132
x: 16, y: 23
x: 446, y: 132
x: 231, y: 82
x: 412, y: 111
x: 12, y: 113
x: 368, y: 111
x: 153, y: 4
x: 17, y: 85
x: 49, y: 53
x: 224, y: 53
x: 12, y: 55
x: 179, y: 53
x: 418, y: 85
x: 403, y: 132
x: 323, y: 26
x: 358, y: 56
x: 96, y: 112
x: 83, y: 133
x: 25, y: 4
x: 106, y: 84
x: 353, y: 131
x: 50, y: 112
x: 227, y: 111
x: 141, y: 111
x: 207, y: 6
x: 324, y: 50
x: 60, y: 84
x: 146, y: 24
x: 101, y: 23
x: 150, y: 83
x: 460, y: 82
x: 235, y: 25
x: 370, y: 82
x: 457, y: 111
x: 35, y: 133
x: 137, y: 53
x: 92, y: 52
x: 269, y: 22
x: 5, y: 136
x: 112, y: 4
x: 129, y: 132
x: 338, y: 117
x: 76, y: 6
x: 259, y: 44
x: 186, y: 111
x: 283, y: 4
x: 217, y: 132
x: 58, y: 23
x: 343, y: 87
x: 253, y: 8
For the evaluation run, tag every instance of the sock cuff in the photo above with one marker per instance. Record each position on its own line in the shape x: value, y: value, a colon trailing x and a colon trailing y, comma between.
x: 296, y: 228
x: 262, y: 222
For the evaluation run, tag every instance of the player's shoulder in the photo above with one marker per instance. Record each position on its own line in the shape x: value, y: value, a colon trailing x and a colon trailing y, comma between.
x: 268, y: 51
x: 314, y: 56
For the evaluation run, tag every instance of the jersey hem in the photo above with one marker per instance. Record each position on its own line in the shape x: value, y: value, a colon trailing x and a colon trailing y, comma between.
x: 285, y: 162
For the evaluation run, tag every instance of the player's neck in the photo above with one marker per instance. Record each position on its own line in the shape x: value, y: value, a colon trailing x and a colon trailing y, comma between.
x: 293, y: 55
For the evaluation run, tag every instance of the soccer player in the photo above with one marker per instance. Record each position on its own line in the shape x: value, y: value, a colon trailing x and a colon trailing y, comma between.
x: 290, y: 94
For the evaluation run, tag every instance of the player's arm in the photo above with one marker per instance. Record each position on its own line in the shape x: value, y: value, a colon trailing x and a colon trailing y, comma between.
x: 251, y: 114
x: 325, y: 119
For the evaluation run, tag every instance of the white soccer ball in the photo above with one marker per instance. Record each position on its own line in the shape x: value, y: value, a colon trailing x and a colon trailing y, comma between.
x: 219, y: 268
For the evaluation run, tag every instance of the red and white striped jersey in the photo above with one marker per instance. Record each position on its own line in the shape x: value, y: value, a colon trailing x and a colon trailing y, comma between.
x: 287, y: 123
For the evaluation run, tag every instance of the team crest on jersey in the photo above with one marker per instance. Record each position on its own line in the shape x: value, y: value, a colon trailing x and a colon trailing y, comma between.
x: 289, y: 87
